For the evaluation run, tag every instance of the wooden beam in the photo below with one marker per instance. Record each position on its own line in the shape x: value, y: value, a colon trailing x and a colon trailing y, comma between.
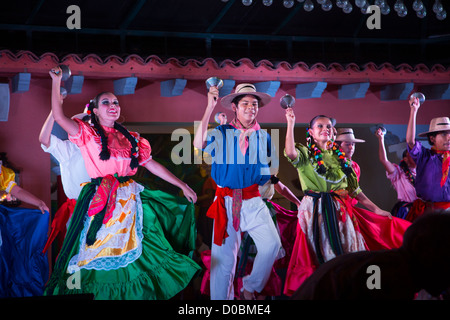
x: 398, y: 91
x: 173, y: 87
x: 310, y: 90
x: 353, y: 90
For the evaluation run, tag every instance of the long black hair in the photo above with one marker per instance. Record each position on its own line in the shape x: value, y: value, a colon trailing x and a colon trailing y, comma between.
x: 105, y: 154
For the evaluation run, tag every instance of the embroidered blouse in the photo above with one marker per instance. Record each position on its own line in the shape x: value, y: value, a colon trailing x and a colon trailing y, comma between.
x: 89, y: 143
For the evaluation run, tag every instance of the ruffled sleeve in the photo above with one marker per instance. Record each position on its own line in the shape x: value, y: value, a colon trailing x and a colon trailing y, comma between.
x: 145, y: 151
x: 7, y: 179
x: 84, y: 134
x: 353, y: 185
x: 302, y: 156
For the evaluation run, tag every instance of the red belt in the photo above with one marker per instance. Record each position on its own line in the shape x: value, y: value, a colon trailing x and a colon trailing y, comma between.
x: 218, y: 212
x: 419, y: 207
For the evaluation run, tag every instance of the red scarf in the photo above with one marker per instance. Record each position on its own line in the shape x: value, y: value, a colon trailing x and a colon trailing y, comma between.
x: 445, y: 164
x: 245, y: 133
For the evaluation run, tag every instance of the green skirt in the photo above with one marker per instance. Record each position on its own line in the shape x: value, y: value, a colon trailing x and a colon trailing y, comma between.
x: 162, y: 270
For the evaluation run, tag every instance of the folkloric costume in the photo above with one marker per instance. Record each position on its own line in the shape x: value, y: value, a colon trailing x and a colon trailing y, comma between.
x: 403, y: 180
x: 238, y: 168
x: 124, y: 240
x: 23, y: 232
x: 329, y: 224
x: 286, y: 223
x: 432, y: 167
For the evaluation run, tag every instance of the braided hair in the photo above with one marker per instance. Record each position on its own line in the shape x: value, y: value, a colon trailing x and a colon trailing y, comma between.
x: 105, y: 154
x: 316, y: 154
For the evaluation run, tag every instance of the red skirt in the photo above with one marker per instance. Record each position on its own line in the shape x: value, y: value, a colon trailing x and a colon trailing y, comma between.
x: 378, y: 233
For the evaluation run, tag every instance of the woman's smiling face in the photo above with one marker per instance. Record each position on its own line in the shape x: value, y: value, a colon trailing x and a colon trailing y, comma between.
x: 321, y: 130
x: 108, y: 109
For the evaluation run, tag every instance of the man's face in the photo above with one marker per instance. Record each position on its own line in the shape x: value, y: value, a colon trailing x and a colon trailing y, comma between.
x: 348, y: 148
x: 246, y: 109
x: 442, y: 141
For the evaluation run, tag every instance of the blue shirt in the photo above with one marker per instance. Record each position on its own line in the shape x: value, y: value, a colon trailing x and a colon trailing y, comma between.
x: 230, y: 168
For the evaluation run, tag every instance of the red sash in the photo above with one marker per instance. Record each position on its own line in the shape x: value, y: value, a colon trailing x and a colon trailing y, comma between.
x: 59, y: 221
x: 218, y: 212
x: 419, y: 207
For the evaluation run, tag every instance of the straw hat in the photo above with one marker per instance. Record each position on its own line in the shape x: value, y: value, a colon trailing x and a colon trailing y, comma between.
x: 242, y: 90
x: 346, y: 134
x: 436, y: 125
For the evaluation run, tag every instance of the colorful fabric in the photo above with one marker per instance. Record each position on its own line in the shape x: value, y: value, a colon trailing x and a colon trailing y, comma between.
x: 332, y: 225
x: 361, y: 230
x: 217, y: 211
x: 229, y: 168
x: 405, y: 190
x: 159, y: 272
x: 105, y: 197
x: 334, y: 178
x: 89, y: 143
x: 7, y: 177
x: 430, y: 174
x: 140, y: 252
x: 245, y: 133
x: 445, y: 164
x: 237, y: 205
x: 60, y: 221
x: 419, y: 207
x: 24, y: 269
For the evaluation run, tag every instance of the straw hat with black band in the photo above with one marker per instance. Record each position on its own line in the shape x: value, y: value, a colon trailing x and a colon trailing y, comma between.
x: 346, y: 134
x: 244, y: 89
x: 437, y: 125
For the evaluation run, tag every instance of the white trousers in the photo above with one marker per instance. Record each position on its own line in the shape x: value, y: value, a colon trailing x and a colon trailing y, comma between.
x: 256, y: 220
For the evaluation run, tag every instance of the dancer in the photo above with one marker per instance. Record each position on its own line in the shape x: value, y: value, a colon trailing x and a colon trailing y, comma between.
x: 238, y: 168
x: 23, y: 232
x: 124, y: 241
x: 329, y: 225
x: 346, y: 140
x: 402, y: 177
x: 285, y: 221
x: 432, y: 165
x: 73, y: 172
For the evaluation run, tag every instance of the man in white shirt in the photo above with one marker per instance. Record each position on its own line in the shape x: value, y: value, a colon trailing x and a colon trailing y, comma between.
x: 72, y: 168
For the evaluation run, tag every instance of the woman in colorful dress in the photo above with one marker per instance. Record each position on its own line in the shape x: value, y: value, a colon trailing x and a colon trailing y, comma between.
x: 328, y: 224
x: 124, y: 241
x: 23, y: 232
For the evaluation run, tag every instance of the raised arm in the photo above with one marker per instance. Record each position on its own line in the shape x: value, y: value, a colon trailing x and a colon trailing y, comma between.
x: 46, y: 131
x: 411, y: 131
x: 200, y: 134
x: 162, y: 172
x: 289, y: 147
x: 390, y: 168
x: 69, y: 125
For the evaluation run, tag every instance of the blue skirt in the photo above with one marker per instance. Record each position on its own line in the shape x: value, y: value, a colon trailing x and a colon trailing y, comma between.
x: 24, y: 269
